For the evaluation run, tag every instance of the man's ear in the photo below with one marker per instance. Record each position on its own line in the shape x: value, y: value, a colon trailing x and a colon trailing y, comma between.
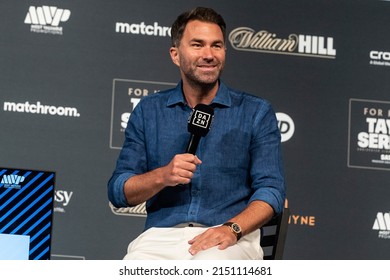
x: 173, y: 51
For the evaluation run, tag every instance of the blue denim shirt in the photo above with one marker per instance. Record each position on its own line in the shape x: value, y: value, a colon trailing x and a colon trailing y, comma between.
x: 241, y: 157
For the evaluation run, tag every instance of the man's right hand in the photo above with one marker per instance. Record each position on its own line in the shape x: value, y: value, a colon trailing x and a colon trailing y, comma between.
x: 180, y: 170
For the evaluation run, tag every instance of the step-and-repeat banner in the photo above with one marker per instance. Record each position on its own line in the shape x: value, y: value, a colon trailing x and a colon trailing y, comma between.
x: 71, y: 73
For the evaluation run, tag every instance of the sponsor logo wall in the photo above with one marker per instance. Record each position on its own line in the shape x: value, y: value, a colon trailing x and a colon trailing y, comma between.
x: 72, y: 73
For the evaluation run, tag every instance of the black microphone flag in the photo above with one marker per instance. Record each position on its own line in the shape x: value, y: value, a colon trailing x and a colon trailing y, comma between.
x: 199, y: 124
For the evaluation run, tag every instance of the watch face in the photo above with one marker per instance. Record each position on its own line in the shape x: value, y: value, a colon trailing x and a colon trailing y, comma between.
x: 236, y: 228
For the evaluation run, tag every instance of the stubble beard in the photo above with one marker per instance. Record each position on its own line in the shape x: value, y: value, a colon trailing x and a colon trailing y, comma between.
x: 202, y: 81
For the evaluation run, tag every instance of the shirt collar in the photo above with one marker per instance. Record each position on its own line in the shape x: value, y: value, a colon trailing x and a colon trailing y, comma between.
x: 222, y: 97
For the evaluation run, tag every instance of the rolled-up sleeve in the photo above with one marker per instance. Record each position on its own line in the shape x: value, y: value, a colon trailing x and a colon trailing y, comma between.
x: 267, y: 163
x: 131, y: 160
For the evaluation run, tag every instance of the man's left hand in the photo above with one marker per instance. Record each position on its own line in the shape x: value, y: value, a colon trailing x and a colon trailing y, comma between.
x: 220, y: 236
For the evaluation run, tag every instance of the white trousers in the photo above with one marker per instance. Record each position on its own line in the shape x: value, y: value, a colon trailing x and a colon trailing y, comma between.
x: 172, y: 244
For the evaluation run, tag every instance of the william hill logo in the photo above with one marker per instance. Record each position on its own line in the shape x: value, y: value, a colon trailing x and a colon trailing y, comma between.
x: 46, y: 19
x: 12, y: 181
x: 247, y: 39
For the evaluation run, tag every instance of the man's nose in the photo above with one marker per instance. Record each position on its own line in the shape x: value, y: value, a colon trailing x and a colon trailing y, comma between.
x: 207, y: 53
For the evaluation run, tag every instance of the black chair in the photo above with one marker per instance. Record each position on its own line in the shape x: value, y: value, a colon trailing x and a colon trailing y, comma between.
x: 273, y: 236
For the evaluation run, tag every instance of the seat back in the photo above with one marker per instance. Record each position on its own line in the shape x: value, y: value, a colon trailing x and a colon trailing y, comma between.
x: 273, y: 236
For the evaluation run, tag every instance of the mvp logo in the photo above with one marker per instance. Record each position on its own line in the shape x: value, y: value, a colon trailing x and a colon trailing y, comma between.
x: 12, y: 181
x: 46, y: 15
x: 382, y: 221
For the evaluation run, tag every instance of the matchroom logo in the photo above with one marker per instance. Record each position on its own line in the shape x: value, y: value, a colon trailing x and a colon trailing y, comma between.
x: 382, y: 225
x: 143, y: 29
x: 369, y: 134
x: 39, y: 108
x: 47, y: 19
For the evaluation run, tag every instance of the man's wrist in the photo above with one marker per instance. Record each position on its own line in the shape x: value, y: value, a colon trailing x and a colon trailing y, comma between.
x: 235, y: 228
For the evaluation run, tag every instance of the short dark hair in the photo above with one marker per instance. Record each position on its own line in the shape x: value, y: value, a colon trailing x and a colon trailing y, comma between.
x: 199, y: 13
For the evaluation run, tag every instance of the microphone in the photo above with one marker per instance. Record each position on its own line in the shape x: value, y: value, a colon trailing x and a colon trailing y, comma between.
x: 199, y: 123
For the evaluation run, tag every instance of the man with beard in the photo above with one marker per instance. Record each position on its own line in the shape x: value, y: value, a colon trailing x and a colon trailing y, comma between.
x: 208, y: 205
